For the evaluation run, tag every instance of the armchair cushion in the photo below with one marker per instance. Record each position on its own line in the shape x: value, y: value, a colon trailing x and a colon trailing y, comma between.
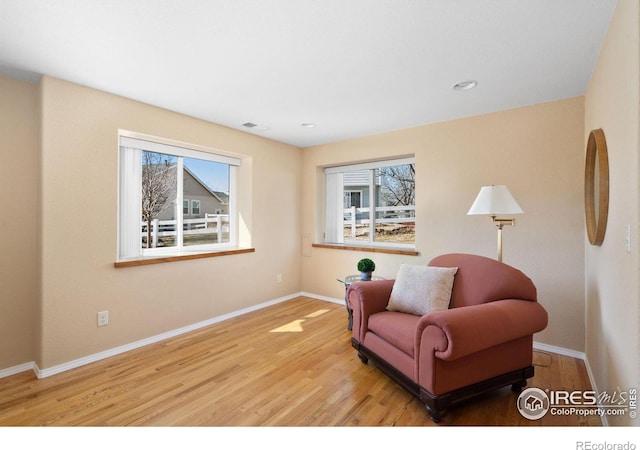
x: 396, y: 328
x: 420, y: 290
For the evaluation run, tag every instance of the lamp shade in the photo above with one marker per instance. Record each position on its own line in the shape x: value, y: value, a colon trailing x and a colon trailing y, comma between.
x: 493, y: 201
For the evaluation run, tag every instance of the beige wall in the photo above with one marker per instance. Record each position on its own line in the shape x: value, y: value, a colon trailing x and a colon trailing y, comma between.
x: 18, y: 224
x: 536, y: 151
x: 612, y: 103
x: 79, y: 158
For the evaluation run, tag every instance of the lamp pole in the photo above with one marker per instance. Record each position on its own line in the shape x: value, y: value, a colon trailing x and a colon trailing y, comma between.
x: 500, y: 223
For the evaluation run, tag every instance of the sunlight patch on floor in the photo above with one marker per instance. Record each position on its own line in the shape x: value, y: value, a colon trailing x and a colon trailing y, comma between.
x: 317, y: 313
x: 295, y: 326
x: 291, y: 327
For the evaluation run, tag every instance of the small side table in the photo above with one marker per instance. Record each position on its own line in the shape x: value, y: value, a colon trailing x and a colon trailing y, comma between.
x: 348, y: 281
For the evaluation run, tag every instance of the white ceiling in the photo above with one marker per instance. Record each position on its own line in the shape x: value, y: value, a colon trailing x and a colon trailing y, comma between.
x: 352, y: 67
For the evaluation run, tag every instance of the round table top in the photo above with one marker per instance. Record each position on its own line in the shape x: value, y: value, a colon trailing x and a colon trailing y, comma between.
x: 353, y: 278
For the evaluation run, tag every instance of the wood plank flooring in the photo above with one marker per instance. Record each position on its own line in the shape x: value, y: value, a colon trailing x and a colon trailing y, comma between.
x: 290, y: 364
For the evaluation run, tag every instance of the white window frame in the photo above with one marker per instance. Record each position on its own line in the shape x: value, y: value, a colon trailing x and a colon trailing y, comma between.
x: 334, y: 203
x: 131, y: 146
x: 193, y: 206
x: 188, y: 212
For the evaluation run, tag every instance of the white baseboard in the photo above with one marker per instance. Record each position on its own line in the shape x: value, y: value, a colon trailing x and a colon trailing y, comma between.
x: 43, y: 373
x: 339, y: 301
x: 17, y: 369
x: 559, y: 350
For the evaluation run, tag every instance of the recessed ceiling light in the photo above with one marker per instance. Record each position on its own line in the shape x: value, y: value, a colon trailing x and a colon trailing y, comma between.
x: 465, y: 85
x: 308, y: 125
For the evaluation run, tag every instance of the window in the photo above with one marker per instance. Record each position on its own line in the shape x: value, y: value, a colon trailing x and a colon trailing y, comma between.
x: 352, y: 198
x: 195, y: 207
x: 371, y: 203
x: 156, y: 177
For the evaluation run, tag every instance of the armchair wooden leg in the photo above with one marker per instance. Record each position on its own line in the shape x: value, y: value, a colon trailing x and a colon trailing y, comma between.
x: 435, y: 416
x: 355, y: 344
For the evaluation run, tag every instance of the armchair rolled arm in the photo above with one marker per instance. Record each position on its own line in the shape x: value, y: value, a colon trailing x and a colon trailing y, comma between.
x: 470, y: 329
x: 366, y: 298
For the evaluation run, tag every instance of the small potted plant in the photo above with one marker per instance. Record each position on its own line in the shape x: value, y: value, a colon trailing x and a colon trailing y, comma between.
x: 365, y: 267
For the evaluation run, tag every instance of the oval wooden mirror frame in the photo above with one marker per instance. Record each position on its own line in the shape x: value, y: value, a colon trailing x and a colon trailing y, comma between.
x: 596, y: 215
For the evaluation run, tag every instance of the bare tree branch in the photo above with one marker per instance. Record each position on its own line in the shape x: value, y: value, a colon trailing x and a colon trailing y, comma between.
x: 398, y: 185
x: 158, y: 186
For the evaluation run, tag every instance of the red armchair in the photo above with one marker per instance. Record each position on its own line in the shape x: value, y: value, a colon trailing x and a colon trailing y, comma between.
x: 483, y: 341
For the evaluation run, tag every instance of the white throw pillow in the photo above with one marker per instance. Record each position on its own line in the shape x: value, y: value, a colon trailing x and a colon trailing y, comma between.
x: 420, y: 290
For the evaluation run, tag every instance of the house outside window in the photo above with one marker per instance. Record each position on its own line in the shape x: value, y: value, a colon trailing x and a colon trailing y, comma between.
x: 155, y: 177
x: 371, y: 203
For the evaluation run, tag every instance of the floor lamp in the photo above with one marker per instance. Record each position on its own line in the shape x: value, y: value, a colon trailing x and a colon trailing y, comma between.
x: 493, y: 201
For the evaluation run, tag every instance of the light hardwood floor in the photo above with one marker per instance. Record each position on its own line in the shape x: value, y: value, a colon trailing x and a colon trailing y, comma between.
x: 291, y: 364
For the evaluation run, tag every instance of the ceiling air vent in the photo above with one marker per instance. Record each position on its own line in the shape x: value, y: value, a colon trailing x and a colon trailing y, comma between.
x: 254, y: 126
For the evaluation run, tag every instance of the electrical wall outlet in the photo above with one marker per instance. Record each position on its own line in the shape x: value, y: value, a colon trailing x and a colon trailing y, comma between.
x: 279, y: 278
x: 103, y: 318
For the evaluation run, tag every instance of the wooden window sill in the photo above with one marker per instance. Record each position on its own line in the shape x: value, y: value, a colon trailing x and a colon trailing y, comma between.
x: 183, y: 257
x: 365, y: 248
